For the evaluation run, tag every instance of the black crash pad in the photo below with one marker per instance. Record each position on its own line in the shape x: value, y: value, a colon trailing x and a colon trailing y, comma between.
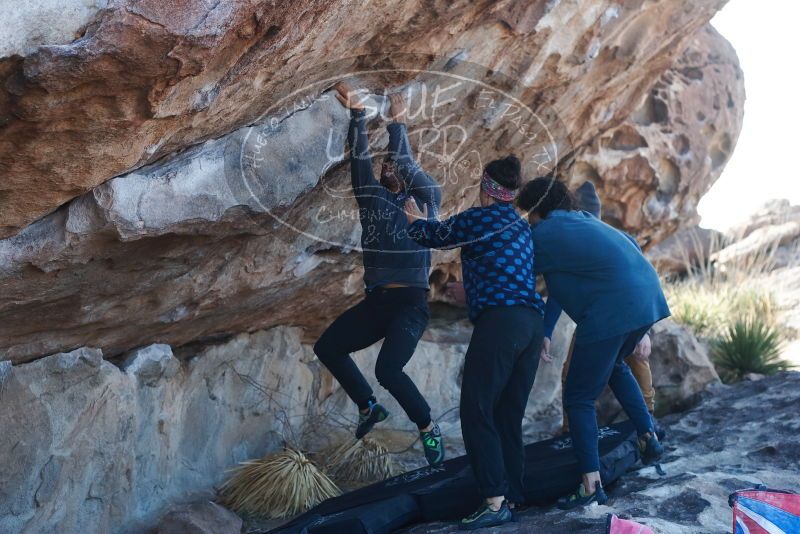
x: 449, y: 491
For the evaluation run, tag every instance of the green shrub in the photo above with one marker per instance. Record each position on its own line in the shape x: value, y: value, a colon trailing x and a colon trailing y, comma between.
x: 749, y: 345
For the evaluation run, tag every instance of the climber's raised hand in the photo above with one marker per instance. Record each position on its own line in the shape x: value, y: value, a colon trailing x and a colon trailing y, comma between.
x: 397, y: 107
x: 413, y: 212
x: 350, y: 98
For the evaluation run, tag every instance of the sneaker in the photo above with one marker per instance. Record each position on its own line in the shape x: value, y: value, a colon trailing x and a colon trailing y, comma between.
x: 486, y: 517
x: 366, y: 421
x: 579, y: 497
x: 433, y: 445
x: 651, y: 450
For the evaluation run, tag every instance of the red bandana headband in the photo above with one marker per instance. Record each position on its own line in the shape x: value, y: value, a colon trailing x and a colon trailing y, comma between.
x: 495, y: 190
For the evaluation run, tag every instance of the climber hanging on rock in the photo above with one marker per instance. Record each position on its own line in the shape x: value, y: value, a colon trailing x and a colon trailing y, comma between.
x: 396, y: 269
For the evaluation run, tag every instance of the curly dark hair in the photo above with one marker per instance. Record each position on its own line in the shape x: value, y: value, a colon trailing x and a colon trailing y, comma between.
x: 545, y: 194
x: 506, y: 171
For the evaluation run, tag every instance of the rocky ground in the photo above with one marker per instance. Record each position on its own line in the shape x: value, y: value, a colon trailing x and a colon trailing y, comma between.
x: 741, y: 435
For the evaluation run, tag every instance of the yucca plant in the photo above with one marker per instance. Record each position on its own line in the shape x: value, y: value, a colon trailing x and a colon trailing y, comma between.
x: 749, y: 345
x: 359, y: 461
x: 278, y: 485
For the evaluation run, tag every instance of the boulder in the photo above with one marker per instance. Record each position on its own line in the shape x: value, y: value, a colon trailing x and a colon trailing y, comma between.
x: 653, y: 167
x: 142, y: 80
x: 681, y: 367
x: 89, y: 447
x: 205, y: 195
x: 108, y: 448
x: 176, y: 200
x: 762, y: 243
x: 772, y: 213
x: 768, y: 240
x: 684, y: 250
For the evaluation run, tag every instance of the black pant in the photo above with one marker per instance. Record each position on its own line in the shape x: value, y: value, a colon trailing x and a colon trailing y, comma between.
x: 499, y: 369
x: 399, y: 317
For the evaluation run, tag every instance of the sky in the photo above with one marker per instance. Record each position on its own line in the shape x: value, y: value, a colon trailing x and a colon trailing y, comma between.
x: 766, y: 36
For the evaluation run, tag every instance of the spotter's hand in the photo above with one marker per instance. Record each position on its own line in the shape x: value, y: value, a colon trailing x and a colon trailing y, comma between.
x: 413, y: 213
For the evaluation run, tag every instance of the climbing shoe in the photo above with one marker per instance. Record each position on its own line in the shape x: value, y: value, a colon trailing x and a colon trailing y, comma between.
x: 579, y: 497
x: 650, y: 450
x: 366, y: 421
x: 433, y: 445
x: 485, y: 517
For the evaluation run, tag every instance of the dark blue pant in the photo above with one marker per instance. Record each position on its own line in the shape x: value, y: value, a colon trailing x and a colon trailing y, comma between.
x: 593, y: 366
x: 399, y: 317
x: 499, y: 369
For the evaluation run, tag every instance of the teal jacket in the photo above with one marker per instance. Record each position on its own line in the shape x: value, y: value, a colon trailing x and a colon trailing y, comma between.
x: 598, y: 275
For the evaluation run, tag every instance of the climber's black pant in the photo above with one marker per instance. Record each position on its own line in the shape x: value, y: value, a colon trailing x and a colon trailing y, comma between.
x: 399, y: 317
x: 499, y: 369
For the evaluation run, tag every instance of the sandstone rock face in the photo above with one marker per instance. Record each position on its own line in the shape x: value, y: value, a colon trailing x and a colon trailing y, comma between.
x: 738, y: 437
x: 145, y: 78
x: 98, y: 447
x: 652, y: 168
x: 88, y: 447
x: 222, y: 228
x: 94, y: 447
x: 44, y: 22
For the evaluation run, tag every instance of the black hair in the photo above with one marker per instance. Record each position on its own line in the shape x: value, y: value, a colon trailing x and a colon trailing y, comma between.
x: 545, y: 194
x: 506, y: 171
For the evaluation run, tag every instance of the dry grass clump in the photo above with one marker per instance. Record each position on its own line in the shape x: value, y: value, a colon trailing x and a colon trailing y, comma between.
x: 359, y: 461
x: 278, y: 485
x: 710, y: 306
x: 712, y: 297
